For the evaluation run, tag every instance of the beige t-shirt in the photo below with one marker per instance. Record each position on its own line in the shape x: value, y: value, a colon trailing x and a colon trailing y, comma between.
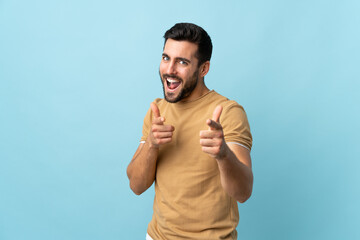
x: 190, y: 202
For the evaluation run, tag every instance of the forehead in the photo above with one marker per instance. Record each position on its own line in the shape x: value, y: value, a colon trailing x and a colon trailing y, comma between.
x: 182, y: 49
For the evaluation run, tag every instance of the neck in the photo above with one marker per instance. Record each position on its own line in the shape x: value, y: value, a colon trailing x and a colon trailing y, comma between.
x: 198, y: 91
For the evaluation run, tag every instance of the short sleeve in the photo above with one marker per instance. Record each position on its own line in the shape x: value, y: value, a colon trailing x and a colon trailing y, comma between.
x: 147, y: 121
x: 146, y: 125
x: 235, y: 125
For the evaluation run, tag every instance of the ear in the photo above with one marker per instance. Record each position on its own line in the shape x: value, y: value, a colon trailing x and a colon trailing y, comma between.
x: 204, y: 68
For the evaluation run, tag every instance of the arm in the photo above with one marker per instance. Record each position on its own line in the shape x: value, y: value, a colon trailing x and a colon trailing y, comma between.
x: 235, y: 172
x: 142, y: 168
x: 234, y: 161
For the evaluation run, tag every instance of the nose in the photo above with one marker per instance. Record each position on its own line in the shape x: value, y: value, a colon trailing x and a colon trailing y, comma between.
x: 171, y: 68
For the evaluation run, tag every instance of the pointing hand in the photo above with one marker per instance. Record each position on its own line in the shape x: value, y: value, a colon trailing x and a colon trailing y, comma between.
x: 160, y: 133
x: 212, y: 140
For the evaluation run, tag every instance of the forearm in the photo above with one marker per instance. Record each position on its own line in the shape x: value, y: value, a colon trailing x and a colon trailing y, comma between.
x: 236, y: 177
x: 142, y: 168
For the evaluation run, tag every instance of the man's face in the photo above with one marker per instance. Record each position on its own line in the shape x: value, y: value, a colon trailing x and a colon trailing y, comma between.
x: 179, y: 71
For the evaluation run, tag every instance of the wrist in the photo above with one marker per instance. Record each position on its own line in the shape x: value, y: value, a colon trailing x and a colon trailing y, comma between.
x: 224, y: 153
x: 151, y: 144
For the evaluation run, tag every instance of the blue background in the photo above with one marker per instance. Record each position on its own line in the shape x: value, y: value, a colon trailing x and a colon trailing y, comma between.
x: 77, y: 77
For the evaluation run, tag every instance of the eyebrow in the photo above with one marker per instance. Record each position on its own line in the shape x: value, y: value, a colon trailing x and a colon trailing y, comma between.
x: 178, y: 58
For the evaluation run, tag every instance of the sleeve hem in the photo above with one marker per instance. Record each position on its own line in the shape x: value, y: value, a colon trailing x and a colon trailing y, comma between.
x: 242, y: 145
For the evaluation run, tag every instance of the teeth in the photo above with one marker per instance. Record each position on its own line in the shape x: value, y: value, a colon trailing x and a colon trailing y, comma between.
x: 172, y: 80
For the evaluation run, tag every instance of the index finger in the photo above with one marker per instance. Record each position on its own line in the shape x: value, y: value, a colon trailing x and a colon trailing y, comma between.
x: 217, y: 112
x: 155, y: 110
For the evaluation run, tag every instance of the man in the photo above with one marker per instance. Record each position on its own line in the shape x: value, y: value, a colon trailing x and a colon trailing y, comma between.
x: 195, y: 146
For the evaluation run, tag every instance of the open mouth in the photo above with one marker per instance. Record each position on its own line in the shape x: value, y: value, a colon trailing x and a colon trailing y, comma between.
x: 172, y: 84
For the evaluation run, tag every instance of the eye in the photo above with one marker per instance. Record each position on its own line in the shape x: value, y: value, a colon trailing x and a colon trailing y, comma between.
x: 165, y: 58
x: 182, y: 62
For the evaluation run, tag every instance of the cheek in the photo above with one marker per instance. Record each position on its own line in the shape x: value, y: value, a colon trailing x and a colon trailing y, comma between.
x: 161, y: 69
x: 185, y: 72
x: 190, y: 74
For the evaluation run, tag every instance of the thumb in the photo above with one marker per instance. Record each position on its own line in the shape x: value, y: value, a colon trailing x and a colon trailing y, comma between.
x: 155, y: 110
x: 216, y: 114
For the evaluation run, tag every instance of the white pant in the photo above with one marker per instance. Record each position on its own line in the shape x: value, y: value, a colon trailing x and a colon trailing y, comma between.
x: 148, y: 237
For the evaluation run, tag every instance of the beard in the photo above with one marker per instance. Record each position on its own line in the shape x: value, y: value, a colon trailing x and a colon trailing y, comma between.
x: 186, y: 90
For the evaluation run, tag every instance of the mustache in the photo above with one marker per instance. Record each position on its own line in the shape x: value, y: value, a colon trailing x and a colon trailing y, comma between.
x: 171, y: 76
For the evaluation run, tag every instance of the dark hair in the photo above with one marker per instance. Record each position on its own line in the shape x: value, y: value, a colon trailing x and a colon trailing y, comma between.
x: 195, y: 34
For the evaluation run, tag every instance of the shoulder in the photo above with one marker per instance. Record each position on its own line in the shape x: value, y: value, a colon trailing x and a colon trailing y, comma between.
x: 233, y: 114
x: 160, y: 102
x: 235, y: 123
x: 232, y: 106
x: 227, y: 104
